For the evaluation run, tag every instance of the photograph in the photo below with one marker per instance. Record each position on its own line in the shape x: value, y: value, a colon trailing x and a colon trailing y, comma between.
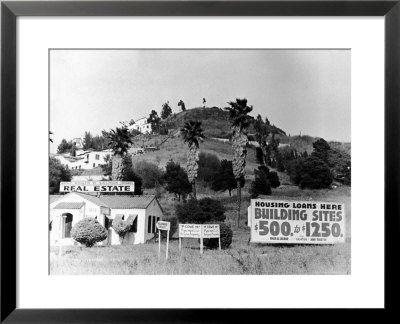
x: 204, y: 161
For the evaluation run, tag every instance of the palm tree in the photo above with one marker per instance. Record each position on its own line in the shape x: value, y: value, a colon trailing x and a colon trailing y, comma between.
x: 192, y: 134
x: 240, y: 121
x: 119, y: 141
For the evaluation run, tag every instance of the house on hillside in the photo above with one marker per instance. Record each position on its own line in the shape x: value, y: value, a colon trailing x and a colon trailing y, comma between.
x: 141, y: 125
x: 141, y: 211
x: 84, y: 160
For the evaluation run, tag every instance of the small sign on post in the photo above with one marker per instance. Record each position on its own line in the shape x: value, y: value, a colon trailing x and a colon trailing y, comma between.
x: 163, y: 226
x: 211, y: 231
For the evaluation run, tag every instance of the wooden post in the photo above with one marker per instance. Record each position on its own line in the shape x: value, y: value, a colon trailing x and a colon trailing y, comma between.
x: 62, y: 219
x: 201, y: 244
x: 219, y: 242
x: 159, y: 243
x: 180, y: 243
x: 166, y: 253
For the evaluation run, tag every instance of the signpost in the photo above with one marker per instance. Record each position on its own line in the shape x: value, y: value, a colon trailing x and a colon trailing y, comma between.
x: 199, y: 231
x: 163, y: 226
x: 301, y: 222
x: 97, y: 186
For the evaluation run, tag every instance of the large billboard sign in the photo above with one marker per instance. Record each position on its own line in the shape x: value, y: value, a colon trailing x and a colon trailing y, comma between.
x: 97, y: 186
x: 299, y: 222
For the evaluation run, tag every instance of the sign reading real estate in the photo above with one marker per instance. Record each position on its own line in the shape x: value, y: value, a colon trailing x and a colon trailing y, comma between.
x: 301, y: 222
x: 190, y: 230
x: 97, y: 186
x: 210, y: 231
x: 163, y: 226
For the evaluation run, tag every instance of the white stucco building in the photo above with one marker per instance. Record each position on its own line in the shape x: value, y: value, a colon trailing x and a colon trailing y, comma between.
x: 141, y: 125
x: 84, y: 160
x: 141, y: 211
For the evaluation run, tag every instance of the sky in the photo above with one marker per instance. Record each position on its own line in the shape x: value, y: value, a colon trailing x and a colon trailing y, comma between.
x: 301, y: 91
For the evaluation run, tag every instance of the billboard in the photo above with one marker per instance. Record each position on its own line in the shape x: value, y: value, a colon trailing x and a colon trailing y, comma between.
x: 97, y: 186
x: 299, y: 222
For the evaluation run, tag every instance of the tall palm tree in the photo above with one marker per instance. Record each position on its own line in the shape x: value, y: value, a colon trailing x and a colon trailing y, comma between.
x: 119, y: 141
x: 192, y: 134
x: 240, y: 121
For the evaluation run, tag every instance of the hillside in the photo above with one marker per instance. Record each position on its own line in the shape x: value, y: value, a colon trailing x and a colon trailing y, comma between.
x: 216, y: 124
x: 214, y: 121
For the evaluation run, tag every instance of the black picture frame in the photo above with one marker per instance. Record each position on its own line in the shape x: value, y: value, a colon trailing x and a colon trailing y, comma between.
x: 10, y: 10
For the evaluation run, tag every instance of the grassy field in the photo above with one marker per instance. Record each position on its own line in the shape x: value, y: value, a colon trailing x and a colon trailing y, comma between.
x: 241, y: 258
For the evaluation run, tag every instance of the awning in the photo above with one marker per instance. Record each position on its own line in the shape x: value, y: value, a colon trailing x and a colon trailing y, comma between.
x: 69, y: 205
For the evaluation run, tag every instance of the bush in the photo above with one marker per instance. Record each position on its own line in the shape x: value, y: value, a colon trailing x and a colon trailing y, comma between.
x: 152, y: 176
x: 263, y: 182
x: 121, y: 227
x: 310, y: 173
x: 274, y: 179
x: 209, y: 165
x: 225, y: 236
x: 200, y: 211
x: 88, y: 231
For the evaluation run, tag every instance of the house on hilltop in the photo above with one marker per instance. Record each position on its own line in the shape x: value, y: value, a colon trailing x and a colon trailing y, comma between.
x: 142, y: 212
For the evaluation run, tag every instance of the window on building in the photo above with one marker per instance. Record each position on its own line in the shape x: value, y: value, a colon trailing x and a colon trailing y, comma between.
x: 153, y: 226
x: 149, y: 224
x: 97, y: 157
x: 133, y: 228
x: 94, y: 165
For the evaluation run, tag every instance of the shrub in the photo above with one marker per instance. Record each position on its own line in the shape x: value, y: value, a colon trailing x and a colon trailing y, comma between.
x: 263, y: 182
x: 225, y: 236
x: 151, y: 174
x: 88, y: 231
x: 200, y: 211
x: 209, y: 165
x: 121, y: 227
x: 311, y: 173
x: 177, y: 180
x: 274, y: 179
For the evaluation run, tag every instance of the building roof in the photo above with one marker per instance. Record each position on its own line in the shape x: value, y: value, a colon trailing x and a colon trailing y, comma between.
x: 112, y: 201
x: 94, y: 199
x: 54, y: 198
x: 127, y: 202
x: 69, y: 205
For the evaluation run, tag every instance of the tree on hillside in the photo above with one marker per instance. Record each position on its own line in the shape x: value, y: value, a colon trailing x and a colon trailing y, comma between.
x: 119, y: 141
x: 182, y: 105
x: 99, y: 143
x: 264, y: 180
x: 192, y: 134
x: 240, y: 121
x: 154, y: 120
x: 87, y: 141
x: 177, y: 180
x: 57, y: 173
x: 209, y: 165
x: 321, y: 150
x: 150, y: 173
x: 166, y: 110
x: 268, y: 143
x: 64, y: 147
x: 224, y: 179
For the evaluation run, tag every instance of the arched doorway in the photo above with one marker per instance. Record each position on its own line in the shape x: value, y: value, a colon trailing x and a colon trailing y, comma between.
x: 67, y: 225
